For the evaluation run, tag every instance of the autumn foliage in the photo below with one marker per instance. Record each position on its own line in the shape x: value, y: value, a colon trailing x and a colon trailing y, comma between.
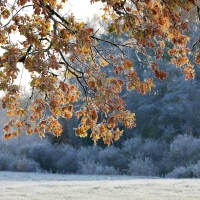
x: 65, y: 58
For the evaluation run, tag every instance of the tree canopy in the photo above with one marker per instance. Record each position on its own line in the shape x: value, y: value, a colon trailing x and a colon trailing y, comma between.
x: 67, y: 61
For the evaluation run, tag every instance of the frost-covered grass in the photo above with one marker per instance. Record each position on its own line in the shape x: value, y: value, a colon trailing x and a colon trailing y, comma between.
x: 36, y: 186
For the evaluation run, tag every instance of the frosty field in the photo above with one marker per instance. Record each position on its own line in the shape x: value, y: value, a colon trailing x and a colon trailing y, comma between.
x: 36, y: 186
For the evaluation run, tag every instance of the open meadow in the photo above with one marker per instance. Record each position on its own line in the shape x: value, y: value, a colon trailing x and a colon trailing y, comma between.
x: 38, y: 186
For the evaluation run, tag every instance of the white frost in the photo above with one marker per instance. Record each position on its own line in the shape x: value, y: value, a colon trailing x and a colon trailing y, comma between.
x: 36, y: 186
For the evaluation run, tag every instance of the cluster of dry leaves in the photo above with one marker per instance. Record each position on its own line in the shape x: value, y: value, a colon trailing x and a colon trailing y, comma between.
x: 65, y: 59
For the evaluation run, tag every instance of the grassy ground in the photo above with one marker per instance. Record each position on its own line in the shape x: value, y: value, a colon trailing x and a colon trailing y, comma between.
x: 35, y: 186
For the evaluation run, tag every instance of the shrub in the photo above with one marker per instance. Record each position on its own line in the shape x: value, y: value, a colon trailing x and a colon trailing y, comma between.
x: 5, y: 160
x: 25, y: 165
x: 142, y: 167
x: 181, y: 172
x: 184, y: 150
x: 23, y: 151
x: 112, y: 156
x: 91, y: 168
x: 133, y: 148
x: 3, y: 147
x: 191, y: 171
x: 88, y: 154
x: 196, y: 169
x: 153, y: 149
x: 42, y: 153
x: 165, y: 165
x: 65, y: 159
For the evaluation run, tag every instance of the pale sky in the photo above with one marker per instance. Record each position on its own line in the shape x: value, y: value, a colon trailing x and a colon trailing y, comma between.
x: 82, y: 9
